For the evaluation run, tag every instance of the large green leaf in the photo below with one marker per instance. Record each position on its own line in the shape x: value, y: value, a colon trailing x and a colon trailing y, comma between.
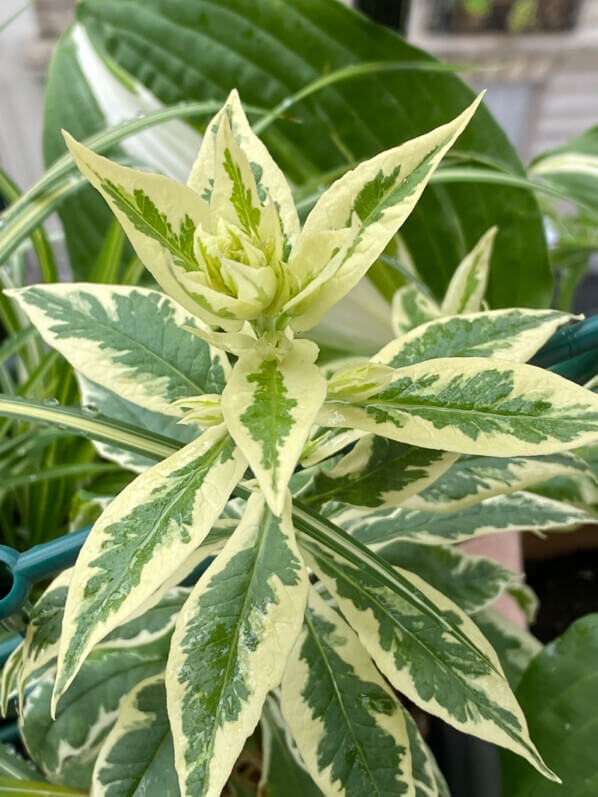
x: 348, y: 725
x: 559, y: 692
x: 269, y: 50
x: 230, y: 646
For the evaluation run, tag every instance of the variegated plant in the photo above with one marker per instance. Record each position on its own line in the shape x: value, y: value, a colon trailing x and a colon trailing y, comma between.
x: 336, y: 583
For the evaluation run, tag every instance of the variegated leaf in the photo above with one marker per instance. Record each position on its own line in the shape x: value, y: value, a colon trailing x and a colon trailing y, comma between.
x: 270, y: 182
x: 475, y: 406
x: 10, y: 675
x: 430, y: 651
x: 473, y: 479
x: 100, y: 399
x: 348, y: 725
x: 109, y: 334
x: 65, y: 748
x: 514, y: 646
x: 165, y: 222
x: 468, y: 284
x: 513, y: 335
x: 472, y: 582
x: 517, y: 512
x: 269, y: 407
x: 360, y: 213
x: 230, y: 646
x: 142, y: 539
x: 427, y: 778
x: 377, y: 473
x: 327, y: 442
x: 410, y: 309
x: 40, y: 645
x: 137, y: 756
x: 283, y: 771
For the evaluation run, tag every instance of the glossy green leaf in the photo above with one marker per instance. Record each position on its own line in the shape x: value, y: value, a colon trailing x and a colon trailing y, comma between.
x: 347, y: 723
x: 348, y: 121
x: 230, y: 646
x: 13, y: 765
x: 559, y: 691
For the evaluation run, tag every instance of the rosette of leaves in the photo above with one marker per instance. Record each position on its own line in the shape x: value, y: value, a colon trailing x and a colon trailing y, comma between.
x: 240, y: 277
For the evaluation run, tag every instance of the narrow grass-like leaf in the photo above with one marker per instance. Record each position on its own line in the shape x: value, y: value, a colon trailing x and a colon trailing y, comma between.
x: 144, y: 537
x: 230, y: 646
x: 348, y: 725
x: 377, y: 473
x: 475, y: 406
x: 516, y: 512
x: 108, y: 333
x: 430, y: 651
x: 468, y: 284
x: 473, y: 479
x: 269, y: 407
x: 137, y: 756
x: 504, y: 334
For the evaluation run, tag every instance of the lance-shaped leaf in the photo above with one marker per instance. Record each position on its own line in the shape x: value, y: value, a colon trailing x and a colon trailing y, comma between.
x: 112, y: 406
x: 65, y: 748
x: 347, y: 723
x: 475, y: 406
x: 137, y: 756
x: 517, y: 512
x: 230, y: 646
x: 411, y: 308
x: 430, y: 651
x: 283, y: 771
x: 473, y: 479
x: 269, y: 406
x: 143, y: 538
x: 42, y: 635
x: 163, y: 221
x: 472, y: 582
x: 513, y: 335
x: 377, y: 473
x: 327, y: 442
x: 10, y: 675
x: 371, y: 201
x: 468, y: 284
x: 514, y: 646
x: 108, y: 334
x: 270, y: 181
x: 427, y: 778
